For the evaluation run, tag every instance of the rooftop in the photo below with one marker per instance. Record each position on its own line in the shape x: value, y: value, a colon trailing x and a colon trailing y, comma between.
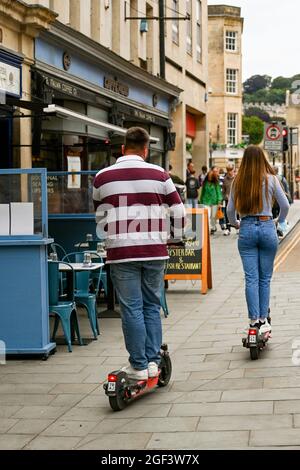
x: 224, y: 10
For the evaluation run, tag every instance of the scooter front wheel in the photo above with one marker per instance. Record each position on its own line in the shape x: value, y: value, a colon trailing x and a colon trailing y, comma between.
x: 166, y: 371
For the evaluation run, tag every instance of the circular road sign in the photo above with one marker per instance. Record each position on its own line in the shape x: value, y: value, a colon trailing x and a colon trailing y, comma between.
x: 273, y: 132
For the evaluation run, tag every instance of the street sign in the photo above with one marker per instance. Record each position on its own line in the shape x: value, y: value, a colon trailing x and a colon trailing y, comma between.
x: 294, y: 136
x: 273, y: 137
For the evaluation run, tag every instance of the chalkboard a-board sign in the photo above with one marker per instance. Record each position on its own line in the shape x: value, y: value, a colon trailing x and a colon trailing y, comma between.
x: 193, y: 260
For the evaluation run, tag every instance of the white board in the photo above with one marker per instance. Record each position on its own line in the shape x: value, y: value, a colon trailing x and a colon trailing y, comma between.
x: 4, y: 219
x: 21, y: 218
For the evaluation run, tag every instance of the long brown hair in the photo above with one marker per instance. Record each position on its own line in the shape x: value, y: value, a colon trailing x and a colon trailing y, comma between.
x: 254, y: 169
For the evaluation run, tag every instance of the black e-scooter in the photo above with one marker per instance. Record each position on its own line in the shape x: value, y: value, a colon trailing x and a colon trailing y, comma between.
x: 256, y: 341
x: 121, y: 390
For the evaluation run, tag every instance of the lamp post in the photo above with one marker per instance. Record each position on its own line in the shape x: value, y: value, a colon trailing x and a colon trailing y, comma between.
x: 162, y: 50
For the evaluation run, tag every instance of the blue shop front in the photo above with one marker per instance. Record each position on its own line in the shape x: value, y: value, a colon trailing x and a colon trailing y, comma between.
x: 24, y: 304
x: 91, y: 96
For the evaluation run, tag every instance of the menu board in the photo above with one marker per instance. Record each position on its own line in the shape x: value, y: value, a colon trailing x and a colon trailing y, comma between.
x: 188, y: 258
x: 192, y: 260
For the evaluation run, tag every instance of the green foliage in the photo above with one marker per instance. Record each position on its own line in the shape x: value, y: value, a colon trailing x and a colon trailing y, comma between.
x: 254, y: 111
x: 189, y: 147
x: 254, y: 127
x: 281, y: 83
x: 262, y: 89
x: 273, y: 96
x: 256, y: 83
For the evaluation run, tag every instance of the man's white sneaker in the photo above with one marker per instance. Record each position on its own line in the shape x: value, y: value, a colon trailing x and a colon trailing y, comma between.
x: 152, y: 369
x: 135, y: 374
x: 265, y: 327
x: 226, y: 233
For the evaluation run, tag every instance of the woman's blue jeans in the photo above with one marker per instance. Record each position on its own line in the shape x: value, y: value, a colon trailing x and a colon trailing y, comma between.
x: 139, y: 285
x: 258, y: 243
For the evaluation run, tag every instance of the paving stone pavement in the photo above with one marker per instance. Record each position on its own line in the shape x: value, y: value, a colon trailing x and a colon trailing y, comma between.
x: 217, y: 398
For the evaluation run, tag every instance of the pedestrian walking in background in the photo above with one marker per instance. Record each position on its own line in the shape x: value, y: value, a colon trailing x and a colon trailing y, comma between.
x: 192, y: 187
x: 222, y: 220
x: 211, y: 196
x: 227, y: 183
x: 203, y: 175
x: 252, y: 194
x: 190, y: 167
x: 221, y: 176
x: 178, y: 183
x: 285, y: 187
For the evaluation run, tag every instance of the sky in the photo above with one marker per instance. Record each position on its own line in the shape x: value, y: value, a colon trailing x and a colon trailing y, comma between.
x: 271, y: 38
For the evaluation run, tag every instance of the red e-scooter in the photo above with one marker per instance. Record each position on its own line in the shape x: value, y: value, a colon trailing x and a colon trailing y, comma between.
x: 121, y: 390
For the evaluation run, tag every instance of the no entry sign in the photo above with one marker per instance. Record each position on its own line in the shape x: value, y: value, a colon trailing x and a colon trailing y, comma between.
x: 273, y: 137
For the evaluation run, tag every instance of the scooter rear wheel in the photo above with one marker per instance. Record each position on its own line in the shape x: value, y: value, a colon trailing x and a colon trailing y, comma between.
x: 166, y: 371
x: 254, y: 354
x: 117, y: 403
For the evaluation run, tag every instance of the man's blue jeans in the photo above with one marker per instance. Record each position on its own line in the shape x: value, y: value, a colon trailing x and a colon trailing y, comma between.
x: 258, y: 245
x: 138, y: 285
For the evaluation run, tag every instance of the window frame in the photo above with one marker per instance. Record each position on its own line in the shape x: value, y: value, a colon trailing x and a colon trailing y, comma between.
x: 175, y: 22
x: 199, y: 31
x: 232, y: 132
x: 231, y: 81
x: 189, y: 28
x: 234, y: 39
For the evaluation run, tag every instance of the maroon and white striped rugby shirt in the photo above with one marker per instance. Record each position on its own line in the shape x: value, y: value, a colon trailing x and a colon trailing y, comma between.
x: 134, y: 201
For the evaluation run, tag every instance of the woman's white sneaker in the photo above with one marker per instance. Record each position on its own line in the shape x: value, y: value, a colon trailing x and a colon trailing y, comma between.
x: 152, y: 369
x: 265, y: 327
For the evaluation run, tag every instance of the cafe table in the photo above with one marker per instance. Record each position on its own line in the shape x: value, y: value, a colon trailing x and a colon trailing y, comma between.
x: 79, y: 267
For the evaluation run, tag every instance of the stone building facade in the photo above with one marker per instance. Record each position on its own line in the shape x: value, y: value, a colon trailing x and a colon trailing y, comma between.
x: 225, y: 28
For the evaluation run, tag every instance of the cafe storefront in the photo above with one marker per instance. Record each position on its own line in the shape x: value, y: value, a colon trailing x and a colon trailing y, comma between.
x: 90, y: 97
x: 92, y: 81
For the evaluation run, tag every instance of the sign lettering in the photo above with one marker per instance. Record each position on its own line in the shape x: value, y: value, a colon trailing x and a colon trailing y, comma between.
x: 116, y: 86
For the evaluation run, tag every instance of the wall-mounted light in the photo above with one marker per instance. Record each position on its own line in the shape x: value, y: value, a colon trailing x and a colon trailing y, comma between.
x: 144, y: 28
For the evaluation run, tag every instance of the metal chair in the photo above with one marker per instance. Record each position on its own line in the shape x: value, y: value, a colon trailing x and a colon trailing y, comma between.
x: 92, y: 247
x: 65, y: 311
x: 56, y: 248
x: 82, y: 293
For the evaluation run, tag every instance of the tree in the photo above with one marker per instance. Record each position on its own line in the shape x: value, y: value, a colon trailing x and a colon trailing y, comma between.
x: 276, y: 96
x: 254, y: 127
x: 261, y: 114
x: 257, y: 82
x: 281, y: 83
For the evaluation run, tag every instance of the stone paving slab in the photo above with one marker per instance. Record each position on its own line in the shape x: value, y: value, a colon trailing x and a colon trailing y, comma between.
x: 30, y: 426
x: 278, y: 437
x: 244, y: 423
x: 14, y: 441
x: 222, y: 409
x: 200, y: 440
x: 115, y: 441
x: 52, y: 443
